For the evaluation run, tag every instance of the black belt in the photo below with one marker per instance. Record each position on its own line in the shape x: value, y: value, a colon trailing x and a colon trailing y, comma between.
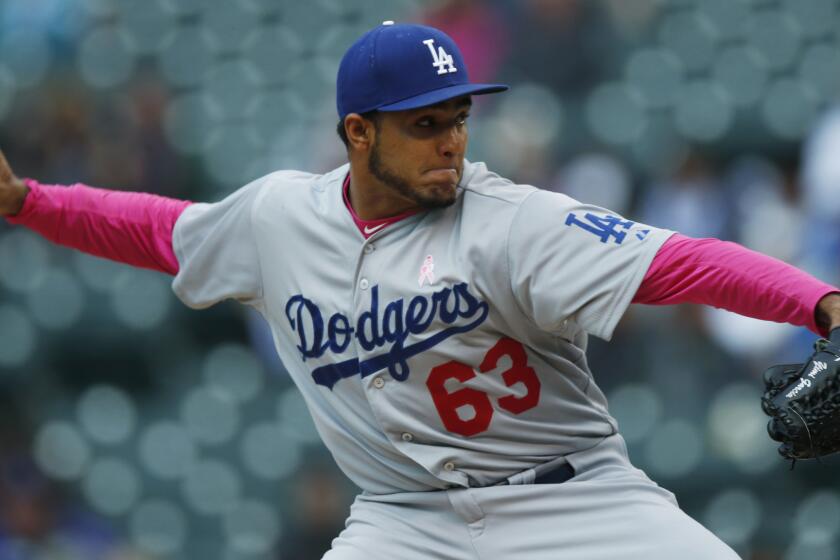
x: 556, y: 476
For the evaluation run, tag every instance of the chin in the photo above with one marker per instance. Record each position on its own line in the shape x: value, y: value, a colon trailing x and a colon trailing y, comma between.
x: 438, y: 196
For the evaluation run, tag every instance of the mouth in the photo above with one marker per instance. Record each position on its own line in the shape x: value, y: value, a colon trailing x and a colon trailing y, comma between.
x: 442, y: 175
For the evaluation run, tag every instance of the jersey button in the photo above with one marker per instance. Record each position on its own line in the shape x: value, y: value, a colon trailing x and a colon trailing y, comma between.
x: 378, y: 382
x: 450, y: 466
x: 363, y: 283
x: 369, y: 249
x: 407, y: 437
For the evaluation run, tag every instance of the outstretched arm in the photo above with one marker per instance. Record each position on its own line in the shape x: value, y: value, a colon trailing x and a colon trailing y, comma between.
x: 128, y: 227
x: 729, y: 276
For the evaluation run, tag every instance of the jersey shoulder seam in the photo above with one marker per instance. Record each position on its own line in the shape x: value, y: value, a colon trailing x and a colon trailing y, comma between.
x: 472, y: 190
x: 516, y: 301
x: 261, y: 193
x: 282, y: 176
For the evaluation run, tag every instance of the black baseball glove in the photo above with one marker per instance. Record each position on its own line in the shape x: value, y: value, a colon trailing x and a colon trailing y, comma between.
x: 803, y: 402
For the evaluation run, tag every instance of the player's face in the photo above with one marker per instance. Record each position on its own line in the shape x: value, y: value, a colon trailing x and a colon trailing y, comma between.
x: 420, y: 153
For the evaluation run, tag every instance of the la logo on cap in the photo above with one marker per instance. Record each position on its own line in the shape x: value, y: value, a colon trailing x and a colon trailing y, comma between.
x: 388, y: 69
x: 441, y: 58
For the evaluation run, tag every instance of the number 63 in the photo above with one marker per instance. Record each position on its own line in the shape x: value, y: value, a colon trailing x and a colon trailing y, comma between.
x: 448, y: 403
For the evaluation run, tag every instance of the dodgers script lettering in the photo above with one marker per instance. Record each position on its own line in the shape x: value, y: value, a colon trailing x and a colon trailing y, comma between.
x: 382, y: 326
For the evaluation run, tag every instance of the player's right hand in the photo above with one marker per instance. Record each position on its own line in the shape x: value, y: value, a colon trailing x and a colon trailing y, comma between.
x: 13, y: 191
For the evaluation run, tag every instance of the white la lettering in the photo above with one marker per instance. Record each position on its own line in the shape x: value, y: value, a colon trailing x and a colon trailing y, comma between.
x: 441, y: 58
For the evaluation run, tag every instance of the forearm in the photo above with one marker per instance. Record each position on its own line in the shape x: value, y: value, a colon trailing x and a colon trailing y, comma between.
x: 729, y: 276
x: 132, y: 228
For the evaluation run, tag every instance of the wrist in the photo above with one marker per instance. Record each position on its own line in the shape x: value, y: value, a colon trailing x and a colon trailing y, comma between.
x: 827, y: 313
x: 23, y: 192
x: 16, y: 198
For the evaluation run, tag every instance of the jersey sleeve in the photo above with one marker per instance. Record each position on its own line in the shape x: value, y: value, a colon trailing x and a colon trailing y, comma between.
x: 217, y: 252
x: 569, y: 261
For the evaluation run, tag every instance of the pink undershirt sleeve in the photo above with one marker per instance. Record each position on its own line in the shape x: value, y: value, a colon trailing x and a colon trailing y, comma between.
x: 732, y: 277
x: 132, y: 228
x: 136, y: 229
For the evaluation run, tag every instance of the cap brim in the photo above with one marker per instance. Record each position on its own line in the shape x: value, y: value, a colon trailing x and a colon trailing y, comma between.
x: 443, y: 94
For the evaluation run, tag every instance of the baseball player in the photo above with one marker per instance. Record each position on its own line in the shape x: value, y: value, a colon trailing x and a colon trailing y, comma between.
x: 435, y: 316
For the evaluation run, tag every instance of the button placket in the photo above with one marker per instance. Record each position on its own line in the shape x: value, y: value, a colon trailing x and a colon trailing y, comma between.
x: 370, y: 267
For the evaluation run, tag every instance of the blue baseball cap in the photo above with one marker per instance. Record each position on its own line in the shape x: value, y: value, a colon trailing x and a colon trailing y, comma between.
x: 395, y: 67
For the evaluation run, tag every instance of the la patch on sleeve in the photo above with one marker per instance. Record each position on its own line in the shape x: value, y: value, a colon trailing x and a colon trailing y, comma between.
x: 605, y: 227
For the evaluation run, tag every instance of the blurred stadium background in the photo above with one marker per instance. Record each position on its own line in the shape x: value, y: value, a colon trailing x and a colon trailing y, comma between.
x: 134, y: 428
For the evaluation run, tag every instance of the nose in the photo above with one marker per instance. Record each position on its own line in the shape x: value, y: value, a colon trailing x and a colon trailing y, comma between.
x: 453, y: 142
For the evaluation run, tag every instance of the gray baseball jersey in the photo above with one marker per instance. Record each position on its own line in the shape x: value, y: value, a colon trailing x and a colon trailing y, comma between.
x: 448, y: 349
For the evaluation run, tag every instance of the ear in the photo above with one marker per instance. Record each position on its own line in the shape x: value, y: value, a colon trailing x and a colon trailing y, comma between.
x: 361, y: 132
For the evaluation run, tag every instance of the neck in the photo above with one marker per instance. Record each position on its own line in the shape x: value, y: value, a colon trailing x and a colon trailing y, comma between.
x: 373, y: 200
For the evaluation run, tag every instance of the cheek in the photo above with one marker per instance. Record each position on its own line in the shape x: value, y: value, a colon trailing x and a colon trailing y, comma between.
x: 394, y: 147
x: 408, y: 157
x: 463, y: 137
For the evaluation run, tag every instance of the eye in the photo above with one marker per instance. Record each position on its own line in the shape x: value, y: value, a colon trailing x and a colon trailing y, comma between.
x: 426, y: 122
x: 461, y: 119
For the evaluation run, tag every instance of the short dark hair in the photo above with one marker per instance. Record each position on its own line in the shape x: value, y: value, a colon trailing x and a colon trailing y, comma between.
x: 372, y: 116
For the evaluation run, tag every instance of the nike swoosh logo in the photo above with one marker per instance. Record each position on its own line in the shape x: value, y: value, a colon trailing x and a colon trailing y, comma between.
x: 371, y: 230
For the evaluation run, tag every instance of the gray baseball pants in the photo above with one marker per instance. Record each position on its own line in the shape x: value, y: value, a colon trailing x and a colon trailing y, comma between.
x: 609, y: 511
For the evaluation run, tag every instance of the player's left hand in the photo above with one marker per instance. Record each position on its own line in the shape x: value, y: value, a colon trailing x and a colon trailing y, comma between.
x: 13, y: 191
x: 803, y: 402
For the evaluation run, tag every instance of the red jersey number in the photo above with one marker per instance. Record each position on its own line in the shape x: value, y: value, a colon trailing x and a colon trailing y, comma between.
x: 448, y: 403
x: 519, y: 372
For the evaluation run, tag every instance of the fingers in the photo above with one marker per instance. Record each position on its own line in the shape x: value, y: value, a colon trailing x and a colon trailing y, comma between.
x: 778, y: 376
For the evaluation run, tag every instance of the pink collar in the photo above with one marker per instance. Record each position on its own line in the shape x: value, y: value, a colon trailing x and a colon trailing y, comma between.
x: 369, y: 227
